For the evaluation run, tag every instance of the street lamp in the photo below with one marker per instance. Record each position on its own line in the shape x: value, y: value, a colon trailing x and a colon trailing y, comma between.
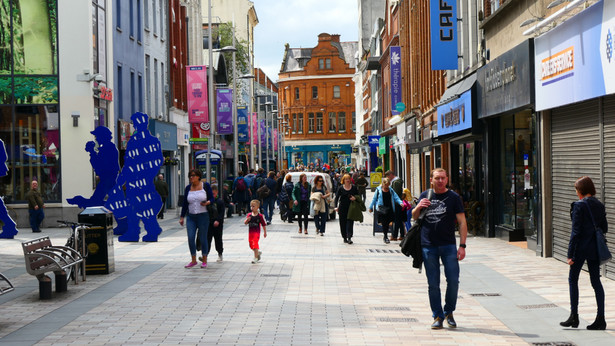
x: 250, y: 105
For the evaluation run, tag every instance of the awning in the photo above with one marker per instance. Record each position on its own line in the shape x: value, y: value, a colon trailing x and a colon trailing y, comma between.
x: 420, y: 147
x: 457, y: 89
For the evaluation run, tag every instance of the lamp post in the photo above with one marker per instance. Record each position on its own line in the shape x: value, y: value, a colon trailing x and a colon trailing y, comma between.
x: 267, y: 135
x: 212, y: 113
x: 279, y: 148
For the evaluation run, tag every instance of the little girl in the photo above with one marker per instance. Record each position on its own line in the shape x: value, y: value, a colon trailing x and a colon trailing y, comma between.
x: 406, y: 200
x: 255, y: 220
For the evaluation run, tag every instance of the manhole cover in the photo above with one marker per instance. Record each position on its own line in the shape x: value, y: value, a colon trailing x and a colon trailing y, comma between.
x: 391, y: 308
x: 553, y: 343
x: 275, y: 275
x: 397, y: 319
x: 299, y: 237
x: 485, y: 294
x: 538, y: 306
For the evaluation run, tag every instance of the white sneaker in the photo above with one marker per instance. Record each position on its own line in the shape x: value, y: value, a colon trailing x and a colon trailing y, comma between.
x: 219, y: 258
x: 255, y: 260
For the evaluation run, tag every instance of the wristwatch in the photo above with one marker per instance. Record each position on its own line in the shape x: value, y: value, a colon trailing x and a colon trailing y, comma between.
x: 462, y: 245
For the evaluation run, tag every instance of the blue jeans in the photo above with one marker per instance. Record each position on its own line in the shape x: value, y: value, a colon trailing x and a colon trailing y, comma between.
x: 431, y: 258
x: 268, y: 206
x: 200, y: 222
x: 320, y: 220
x: 36, y: 219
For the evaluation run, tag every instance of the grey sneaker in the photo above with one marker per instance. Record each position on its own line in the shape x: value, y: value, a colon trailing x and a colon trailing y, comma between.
x: 219, y: 258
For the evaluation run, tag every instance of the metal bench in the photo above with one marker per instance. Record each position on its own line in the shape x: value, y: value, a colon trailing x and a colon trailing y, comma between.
x: 42, y: 257
x: 5, y: 285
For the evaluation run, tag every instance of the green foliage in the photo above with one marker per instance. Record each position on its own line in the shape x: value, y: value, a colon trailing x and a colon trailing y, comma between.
x: 5, y: 90
x: 225, y: 36
x: 36, y: 90
x: 379, y: 169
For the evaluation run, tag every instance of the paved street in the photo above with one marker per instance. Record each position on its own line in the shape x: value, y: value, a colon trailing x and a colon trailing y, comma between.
x: 307, y: 290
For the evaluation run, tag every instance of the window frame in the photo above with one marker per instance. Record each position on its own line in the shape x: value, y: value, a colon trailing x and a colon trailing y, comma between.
x: 311, y: 123
x: 332, y: 122
x: 337, y: 90
x: 314, y: 92
x: 341, y: 122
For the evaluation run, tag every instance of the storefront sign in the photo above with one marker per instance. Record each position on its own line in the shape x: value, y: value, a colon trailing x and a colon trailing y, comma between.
x: 200, y: 130
x: 224, y: 102
x: 196, y: 81
x: 382, y: 145
x: 505, y: 83
x: 574, y: 61
x: 242, y: 124
x: 165, y: 132
x: 395, y: 79
x: 374, y: 143
x: 456, y: 115
x: 443, y: 34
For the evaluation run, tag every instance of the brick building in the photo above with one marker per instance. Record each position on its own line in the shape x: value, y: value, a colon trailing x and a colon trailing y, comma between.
x: 317, y: 101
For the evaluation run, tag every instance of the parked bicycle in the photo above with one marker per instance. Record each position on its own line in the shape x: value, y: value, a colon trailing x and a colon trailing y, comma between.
x: 76, y: 240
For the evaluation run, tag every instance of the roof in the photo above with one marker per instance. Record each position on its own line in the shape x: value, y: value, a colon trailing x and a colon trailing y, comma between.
x: 293, y: 59
x: 454, y: 91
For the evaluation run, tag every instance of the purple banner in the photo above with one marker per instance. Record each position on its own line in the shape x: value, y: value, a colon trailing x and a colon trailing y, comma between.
x: 395, y: 78
x: 224, y: 102
x: 263, y: 136
x: 243, y: 133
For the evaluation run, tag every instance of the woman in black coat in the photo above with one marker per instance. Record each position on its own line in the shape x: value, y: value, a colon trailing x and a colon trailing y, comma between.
x: 583, y: 247
x: 344, y: 195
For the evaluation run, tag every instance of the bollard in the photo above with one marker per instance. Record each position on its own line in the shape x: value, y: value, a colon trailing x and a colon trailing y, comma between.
x: 61, y: 281
x: 44, y: 287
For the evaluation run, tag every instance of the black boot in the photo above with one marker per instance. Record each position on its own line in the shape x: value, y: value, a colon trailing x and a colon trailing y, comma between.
x: 599, y: 323
x: 572, y: 321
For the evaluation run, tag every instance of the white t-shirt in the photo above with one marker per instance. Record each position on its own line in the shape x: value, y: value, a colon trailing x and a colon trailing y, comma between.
x: 194, y: 202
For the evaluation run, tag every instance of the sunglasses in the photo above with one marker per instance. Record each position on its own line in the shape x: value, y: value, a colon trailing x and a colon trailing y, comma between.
x: 192, y: 175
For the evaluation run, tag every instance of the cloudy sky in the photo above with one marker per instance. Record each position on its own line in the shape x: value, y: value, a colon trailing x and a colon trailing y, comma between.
x: 298, y: 23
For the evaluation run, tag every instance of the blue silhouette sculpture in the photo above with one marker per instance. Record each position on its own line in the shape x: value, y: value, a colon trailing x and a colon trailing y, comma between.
x: 141, y: 202
x: 8, y: 228
x: 104, y: 161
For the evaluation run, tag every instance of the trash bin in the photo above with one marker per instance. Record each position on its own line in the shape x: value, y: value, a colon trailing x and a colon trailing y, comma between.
x: 98, y: 240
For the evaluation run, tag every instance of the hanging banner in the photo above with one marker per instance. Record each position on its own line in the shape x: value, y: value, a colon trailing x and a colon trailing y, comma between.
x: 263, y: 134
x: 275, y: 138
x: 224, y: 102
x: 443, y: 15
x: 243, y: 134
x: 395, y: 78
x: 254, y: 134
x: 196, y: 82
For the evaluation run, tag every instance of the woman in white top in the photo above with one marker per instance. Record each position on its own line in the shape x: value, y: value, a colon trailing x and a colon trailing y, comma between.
x: 197, y: 196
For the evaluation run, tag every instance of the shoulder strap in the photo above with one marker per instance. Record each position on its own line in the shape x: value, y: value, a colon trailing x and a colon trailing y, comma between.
x: 424, y: 211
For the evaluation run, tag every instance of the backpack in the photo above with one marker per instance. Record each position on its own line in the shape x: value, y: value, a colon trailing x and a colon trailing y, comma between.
x: 241, y: 185
x: 283, y: 196
x: 258, y: 182
x: 263, y: 192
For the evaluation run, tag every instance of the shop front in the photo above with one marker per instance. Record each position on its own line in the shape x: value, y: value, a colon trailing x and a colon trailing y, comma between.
x: 506, y: 105
x: 575, y: 92
x: 314, y: 156
x: 167, y: 134
x: 459, y: 142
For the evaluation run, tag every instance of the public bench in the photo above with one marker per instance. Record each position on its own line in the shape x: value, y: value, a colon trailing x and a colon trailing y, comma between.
x: 5, y: 285
x: 42, y: 257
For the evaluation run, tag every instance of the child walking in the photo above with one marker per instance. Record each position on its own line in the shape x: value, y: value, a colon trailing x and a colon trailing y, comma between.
x: 254, y: 221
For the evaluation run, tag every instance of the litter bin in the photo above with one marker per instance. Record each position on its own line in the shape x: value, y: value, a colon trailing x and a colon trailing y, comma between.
x: 98, y: 240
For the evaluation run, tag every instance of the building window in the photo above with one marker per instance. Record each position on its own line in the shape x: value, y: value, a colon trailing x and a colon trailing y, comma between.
x: 321, y: 64
x: 296, y: 93
x: 131, y: 13
x: 162, y: 84
x: 294, y: 122
x: 118, y: 13
x: 162, y: 18
x: 300, y: 125
x: 328, y: 63
x: 319, y: 122
x: 314, y: 92
x: 154, y: 16
x: 332, y: 122
x: 140, y: 86
x: 155, y: 99
x: 341, y: 122
x: 336, y: 92
x: 133, y: 98
x: 148, y: 86
x: 120, y: 95
x: 354, y: 123
x: 139, y: 24
x: 146, y: 13
x: 310, y: 122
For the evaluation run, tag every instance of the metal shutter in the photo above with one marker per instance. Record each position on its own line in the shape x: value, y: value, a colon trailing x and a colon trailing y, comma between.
x: 609, y: 175
x: 575, y: 152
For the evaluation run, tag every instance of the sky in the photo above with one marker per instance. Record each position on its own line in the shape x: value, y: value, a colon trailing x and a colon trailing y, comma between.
x: 298, y: 23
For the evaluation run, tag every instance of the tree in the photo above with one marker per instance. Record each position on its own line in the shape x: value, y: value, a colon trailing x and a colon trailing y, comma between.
x: 225, y: 38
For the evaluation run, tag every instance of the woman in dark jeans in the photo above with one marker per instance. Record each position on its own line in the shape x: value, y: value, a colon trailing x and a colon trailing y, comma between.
x: 585, y: 213
x: 345, y: 194
x: 320, y: 219
x: 289, y: 186
x: 301, y: 202
x: 387, y: 198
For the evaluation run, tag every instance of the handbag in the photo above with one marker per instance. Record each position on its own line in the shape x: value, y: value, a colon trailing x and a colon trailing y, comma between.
x: 604, y: 255
x: 381, y: 208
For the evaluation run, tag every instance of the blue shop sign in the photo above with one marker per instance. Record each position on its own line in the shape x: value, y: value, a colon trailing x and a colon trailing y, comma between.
x: 165, y: 132
x: 456, y: 115
x: 374, y: 143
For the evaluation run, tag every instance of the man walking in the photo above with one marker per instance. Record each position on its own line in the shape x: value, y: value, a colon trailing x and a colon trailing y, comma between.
x: 35, y: 207
x: 438, y: 242
x: 163, y: 190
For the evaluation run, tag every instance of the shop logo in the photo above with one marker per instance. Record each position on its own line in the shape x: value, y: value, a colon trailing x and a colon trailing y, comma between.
x: 454, y: 116
x: 557, y: 67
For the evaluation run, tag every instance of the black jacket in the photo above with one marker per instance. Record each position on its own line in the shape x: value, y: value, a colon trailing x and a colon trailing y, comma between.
x: 582, y: 243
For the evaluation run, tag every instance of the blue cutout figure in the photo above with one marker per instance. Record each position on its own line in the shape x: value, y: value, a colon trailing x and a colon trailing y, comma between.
x: 142, y: 162
x: 105, y: 163
x: 8, y: 229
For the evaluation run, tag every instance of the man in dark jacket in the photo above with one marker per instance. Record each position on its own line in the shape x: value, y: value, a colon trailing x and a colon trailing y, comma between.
x: 163, y: 190
x: 269, y: 200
